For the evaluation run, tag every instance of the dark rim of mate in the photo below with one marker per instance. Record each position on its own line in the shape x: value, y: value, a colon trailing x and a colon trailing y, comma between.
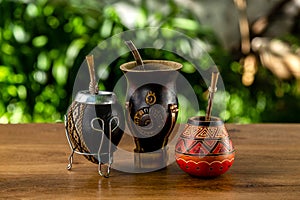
x: 200, y: 121
x: 171, y: 66
x: 102, y: 98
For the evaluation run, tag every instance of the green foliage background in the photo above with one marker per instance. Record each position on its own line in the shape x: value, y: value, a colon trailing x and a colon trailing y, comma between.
x: 43, y: 43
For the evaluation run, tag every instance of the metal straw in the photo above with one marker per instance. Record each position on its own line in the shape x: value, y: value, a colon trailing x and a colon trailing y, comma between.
x: 93, y: 87
x: 136, y: 54
x: 212, y: 89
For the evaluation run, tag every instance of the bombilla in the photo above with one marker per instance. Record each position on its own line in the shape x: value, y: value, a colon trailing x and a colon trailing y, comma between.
x: 93, y: 87
x: 212, y: 89
x: 136, y: 54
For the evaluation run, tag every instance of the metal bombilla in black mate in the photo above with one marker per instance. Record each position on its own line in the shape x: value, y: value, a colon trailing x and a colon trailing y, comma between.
x: 94, y: 124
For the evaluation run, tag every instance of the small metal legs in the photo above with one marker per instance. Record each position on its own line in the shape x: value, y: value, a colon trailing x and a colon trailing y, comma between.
x: 103, y: 168
x: 69, y: 167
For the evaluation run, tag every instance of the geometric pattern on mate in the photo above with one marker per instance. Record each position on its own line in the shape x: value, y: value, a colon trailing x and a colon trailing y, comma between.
x: 200, y: 132
x: 204, y: 147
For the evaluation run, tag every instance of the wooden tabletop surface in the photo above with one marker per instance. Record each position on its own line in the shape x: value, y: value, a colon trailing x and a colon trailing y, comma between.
x: 33, y: 160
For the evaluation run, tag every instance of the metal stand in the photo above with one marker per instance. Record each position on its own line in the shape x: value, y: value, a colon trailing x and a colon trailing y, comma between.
x: 105, y: 173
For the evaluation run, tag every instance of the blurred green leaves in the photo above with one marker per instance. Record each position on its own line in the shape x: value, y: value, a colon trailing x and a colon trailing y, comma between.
x: 39, y: 43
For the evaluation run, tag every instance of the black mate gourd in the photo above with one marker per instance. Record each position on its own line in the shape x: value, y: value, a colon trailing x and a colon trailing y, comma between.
x: 94, y: 125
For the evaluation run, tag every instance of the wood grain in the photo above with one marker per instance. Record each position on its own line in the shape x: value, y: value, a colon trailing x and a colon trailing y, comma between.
x: 33, y: 160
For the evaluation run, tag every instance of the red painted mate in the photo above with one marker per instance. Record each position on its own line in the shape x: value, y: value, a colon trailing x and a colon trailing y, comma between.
x: 204, y: 148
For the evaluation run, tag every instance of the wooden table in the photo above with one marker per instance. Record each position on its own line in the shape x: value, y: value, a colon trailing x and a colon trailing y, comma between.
x: 33, y: 159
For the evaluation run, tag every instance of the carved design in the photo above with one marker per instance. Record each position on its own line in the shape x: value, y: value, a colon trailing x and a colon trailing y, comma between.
x: 141, y: 117
x: 150, y: 98
x: 200, y: 132
x: 204, y: 147
x: 174, y: 111
x: 209, y: 163
x: 204, y: 150
x: 204, y: 168
x: 74, y: 129
x: 149, y: 121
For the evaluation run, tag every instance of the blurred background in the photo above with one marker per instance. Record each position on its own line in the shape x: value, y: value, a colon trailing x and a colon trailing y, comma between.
x: 254, y: 43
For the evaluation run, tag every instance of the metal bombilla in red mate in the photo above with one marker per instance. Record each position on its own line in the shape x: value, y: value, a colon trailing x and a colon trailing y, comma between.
x: 204, y: 148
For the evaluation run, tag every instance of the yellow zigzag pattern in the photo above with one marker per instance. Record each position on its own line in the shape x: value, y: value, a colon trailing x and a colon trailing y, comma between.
x: 191, y: 161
